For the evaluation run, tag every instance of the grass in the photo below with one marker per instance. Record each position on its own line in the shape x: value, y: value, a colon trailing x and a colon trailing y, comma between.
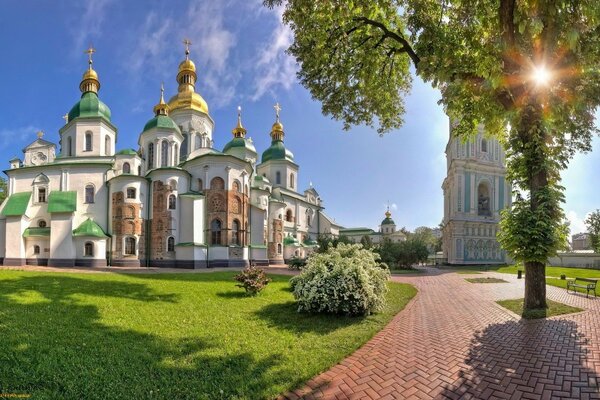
x: 563, y: 284
x: 467, y: 272
x: 166, y: 336
x: 553, y: 309
x: 557, y: 271
x: 407, y: 271
x: 485, y: 280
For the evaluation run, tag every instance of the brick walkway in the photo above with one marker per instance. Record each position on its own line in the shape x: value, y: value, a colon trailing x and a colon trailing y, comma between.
x: 453, y: 341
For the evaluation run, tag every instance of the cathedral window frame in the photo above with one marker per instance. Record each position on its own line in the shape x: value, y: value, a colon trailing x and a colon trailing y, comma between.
x: 129, y: 245
x: 236, y: 186
x: 88, y: 141
x: 292, y: 180
x: 216, y: 229
x: 217, y: 183
x: 89, y: 193
x: 172, y: 202
x: 278, y: 178
x: 484, y: 145
x: 126, y: 168
x: 88, y: 249
x: 150, y: 155
x: 164, y: 154
x: 170, y: 244
x: 235, y: 232
x: 107, y: 145
x: 69, y: 146
x: 131, y: 193
x: 41, y: 185
x: 36, y: 250
x: 289, y: 215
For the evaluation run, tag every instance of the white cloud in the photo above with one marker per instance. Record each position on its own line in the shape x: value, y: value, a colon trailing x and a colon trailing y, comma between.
x: 274, y: 67
x: 150, y: 44
x: 89, y: 23
x: 10, y: 137
x: 577, y: 223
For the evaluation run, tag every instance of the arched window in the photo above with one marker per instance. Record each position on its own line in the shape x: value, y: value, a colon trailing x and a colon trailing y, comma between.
x: 215, y: 231
x: 197, y: 142
x: 41, y: 195
x: 200, y: 185
x: 151, y: 156
x: 130, y: 246
x: 278, y: 248
x: 235, y: 232
x: 217, y: 183
x: 41, y: 223
x: 89, y: 194
x: 69, y: 146
x: 236, y: 186
x: 308, y: 220
x: 484, y: 145
x: 40, y: 185
x: 171, y: 243
x: 126, y: 168
x: 36, y: 249
x: 88, y: 141
x: 88, y: 249
x: 292, y: 181
x: 288, y: 216
x: 131, y: 193
x: 172, y: 202
x: 278, y: 178
x: 164, y: 153
x: 483, y: 200
x: 107, y: 145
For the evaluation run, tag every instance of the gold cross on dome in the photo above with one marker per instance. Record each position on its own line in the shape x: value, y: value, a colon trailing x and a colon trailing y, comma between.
x: 277, y: 108
x: 187, y: 43
x: 239, y: 108
x: 40, y: 134
x: 89, y: 52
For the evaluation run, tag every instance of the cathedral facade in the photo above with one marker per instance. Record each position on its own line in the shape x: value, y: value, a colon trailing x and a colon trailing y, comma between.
x: 475, y: 191
x: 176, y: 201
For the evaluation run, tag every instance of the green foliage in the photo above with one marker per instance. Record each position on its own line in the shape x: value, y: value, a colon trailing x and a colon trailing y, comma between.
x: 325, y: 242
x: 346, y: 279
x: 403, y: 254
x: 3, y: 190
x: 592, y: 222
x: 252, y: 279
x: 425, y: 235
x: 167, y: 336
x: 296, y: 263
x: 366, y: 242
x: 354, y: 58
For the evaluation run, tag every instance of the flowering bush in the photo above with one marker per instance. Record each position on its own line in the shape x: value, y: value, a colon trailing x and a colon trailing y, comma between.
x: 252, y: 279
x: 346, y: 279
x: 296, y: 263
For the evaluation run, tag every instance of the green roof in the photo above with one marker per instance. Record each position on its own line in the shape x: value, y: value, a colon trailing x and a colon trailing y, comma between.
x: 239, y: 142
x: 30, y: 232
x: 277, y: 151
x: 89, y: 228
x: 62, y: 202
x: 127, y: 152
x: 16, y: 205
x: 161, y: 121
x: 291, y: 241
x: 310, y: 242
x: 388, y: 221
x: 90, y: 106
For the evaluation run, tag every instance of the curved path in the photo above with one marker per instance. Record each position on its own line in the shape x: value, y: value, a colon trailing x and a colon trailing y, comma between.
x: 453, y: 341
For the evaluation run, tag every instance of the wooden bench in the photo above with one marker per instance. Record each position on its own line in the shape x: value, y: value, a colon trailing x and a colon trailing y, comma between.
x: 582, y: 283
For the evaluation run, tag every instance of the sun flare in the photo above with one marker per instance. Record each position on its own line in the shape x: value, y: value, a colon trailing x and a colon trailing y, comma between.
x: 541, y: 75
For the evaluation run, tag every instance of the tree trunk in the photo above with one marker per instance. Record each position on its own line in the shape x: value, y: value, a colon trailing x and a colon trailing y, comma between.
x: 535, y: 285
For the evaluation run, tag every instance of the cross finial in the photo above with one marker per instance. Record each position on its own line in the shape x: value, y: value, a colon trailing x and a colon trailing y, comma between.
x: 277, y: 108
x: 66, y: 118
x: 239, y: 109
x: 40, y: 134
x: 89, y: 52
x: 162, y: 91
x: 187, y: 43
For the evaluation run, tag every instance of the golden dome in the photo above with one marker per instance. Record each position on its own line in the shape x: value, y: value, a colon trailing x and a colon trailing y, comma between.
x: 277, y: 126
x: 90, y: 74
x: 187, y: 65
x: 187, y: 98
x: 90, y: 81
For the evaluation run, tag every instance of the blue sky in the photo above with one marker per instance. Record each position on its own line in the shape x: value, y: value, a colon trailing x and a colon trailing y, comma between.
x: 238, y: 47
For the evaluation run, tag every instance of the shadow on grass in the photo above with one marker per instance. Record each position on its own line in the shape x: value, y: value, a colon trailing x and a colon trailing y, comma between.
x: 503, y: 356
x: 55, y: 344
x: 241, y: 294
x: 286, y: 316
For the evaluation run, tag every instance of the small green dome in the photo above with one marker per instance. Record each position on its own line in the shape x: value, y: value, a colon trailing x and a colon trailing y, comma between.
x: 89, y: 228
x: 90, y: 106
x: 291, y: 241
x: 239, y: 142
x: 277, y: 151
x: 388, y: 221
x: 161, y: 121
x: 127, y: 152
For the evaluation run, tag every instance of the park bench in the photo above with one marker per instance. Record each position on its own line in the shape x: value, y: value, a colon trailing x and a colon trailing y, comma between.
x: 582, y: 283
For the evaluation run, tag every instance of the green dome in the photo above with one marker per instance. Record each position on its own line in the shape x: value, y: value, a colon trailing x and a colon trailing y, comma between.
x: 89, y: 106
x: 161, y: 121
x: 127, y: 152
x: 89, y: 228
x: 291, y: 241
x: 239, y: 142
x: 388, y: 221
x: 277, y: 151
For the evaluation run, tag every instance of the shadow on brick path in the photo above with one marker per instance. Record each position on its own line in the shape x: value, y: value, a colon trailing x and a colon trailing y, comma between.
x: 527, y: 359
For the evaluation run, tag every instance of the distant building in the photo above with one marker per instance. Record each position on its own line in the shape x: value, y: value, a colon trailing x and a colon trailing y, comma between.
x: 581, y: 241
x: 387, y: 230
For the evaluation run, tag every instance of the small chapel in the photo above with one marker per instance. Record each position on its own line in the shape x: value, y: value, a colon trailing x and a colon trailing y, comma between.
x: 175, y: 201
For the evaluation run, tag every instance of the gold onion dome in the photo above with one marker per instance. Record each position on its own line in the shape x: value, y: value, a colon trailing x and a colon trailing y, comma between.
x: 89, y: 106
x: 239, y: 130
x: 90, y: 81
x: 277, y: 128
x: 187, y: 98
x: 161, y: 108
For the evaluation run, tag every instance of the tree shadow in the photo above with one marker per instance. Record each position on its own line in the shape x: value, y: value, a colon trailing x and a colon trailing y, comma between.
x: 545, y: 357
x: 286, y: 316
x: 234, y: 295
x: 55, y: 344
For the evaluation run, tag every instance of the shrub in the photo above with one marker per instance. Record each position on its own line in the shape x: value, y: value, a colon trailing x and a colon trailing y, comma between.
x: 346, y: 279
x: 296, y: 263
x: 252, y: 279
x: 403, y: 254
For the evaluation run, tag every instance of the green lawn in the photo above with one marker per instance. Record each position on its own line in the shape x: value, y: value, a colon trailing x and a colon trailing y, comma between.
x: 158, y: 336
x: 485, y: 280
x: 407, y: 271
x: 558, y: 271
x: 553, y: 309
x: 467, y: 272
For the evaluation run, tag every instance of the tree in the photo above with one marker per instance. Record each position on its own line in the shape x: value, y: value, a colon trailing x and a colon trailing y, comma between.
x: 3, y: 190
x: 592, y: 222
x: 366, y: 242
x: 526, y: 70
x: 425, y: 235
x: 403, y: 254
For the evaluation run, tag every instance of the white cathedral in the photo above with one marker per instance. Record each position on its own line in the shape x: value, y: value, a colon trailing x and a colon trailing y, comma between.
x: 475, y: 191
x: 175, y: 202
